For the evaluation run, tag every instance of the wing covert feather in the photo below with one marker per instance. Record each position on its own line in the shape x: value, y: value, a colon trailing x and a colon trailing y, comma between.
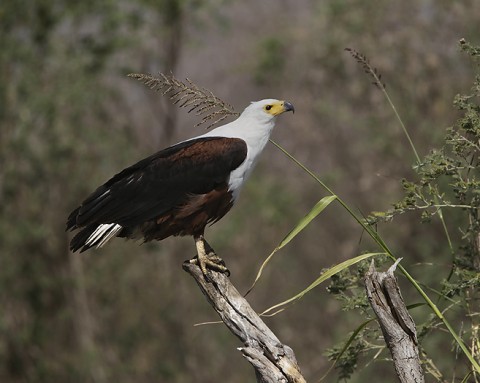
x: 158, y: 183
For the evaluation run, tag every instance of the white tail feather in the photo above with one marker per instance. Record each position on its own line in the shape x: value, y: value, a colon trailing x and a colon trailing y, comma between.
x: 102, y: 234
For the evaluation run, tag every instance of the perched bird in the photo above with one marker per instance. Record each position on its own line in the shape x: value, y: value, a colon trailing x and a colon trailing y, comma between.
x: 180, y: 189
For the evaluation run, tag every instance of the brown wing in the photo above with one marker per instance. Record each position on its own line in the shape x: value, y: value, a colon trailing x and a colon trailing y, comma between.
x: 161, y: 182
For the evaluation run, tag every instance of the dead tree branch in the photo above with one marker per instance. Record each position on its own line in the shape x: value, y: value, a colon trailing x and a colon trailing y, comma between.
x: 396, y: 323
x: 272, y: 360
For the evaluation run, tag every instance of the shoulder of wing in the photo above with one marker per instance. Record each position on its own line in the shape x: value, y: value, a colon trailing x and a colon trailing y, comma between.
x: 222, y: 153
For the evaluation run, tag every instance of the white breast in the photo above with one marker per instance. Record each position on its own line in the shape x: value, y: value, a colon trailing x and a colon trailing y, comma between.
x: 256, y: 134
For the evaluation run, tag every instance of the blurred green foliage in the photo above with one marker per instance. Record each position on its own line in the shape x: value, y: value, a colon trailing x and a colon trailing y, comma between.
x: 447, y: 181
x: 271, y: 60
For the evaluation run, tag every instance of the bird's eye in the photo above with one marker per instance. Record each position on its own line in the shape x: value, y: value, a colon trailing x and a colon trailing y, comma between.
x: 268, y: 107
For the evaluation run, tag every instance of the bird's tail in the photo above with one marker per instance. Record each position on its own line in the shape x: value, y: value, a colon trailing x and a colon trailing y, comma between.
x: 80, y: 239
x: 72, y: 220
x: 94, y: 235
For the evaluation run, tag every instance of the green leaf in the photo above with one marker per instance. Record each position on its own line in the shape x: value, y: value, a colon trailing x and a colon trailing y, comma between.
x: 347, y: 345
x: 316, y: 210
x: 323, y: 277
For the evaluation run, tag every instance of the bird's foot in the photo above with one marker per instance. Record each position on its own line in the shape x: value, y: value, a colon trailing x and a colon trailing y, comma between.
x: 210, y: 261
x: 206, y: 258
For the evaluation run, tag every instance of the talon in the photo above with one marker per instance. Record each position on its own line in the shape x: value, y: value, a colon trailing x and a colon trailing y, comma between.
x: 215, y: 258
x: 208, y: 261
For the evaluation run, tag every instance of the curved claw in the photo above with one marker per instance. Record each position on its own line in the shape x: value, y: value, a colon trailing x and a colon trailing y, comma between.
x: 219, y: 262
x: 208, y: 261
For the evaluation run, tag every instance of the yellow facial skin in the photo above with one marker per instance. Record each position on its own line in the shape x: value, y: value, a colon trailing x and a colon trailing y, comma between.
x: 279, y: 107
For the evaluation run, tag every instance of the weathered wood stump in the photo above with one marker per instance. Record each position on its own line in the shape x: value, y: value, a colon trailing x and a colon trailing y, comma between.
x: 396, y: 323
x: 273, y: 361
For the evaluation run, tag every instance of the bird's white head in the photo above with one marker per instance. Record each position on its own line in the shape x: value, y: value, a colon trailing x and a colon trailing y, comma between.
x: 266, y: 110
x: 255, y: 124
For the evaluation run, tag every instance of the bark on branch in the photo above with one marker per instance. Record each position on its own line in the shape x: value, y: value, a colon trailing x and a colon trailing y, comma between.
x: 396, y: 323
x: 272, y: 360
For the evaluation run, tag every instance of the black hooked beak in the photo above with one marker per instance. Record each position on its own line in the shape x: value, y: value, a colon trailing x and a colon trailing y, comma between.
x: 287, y: 106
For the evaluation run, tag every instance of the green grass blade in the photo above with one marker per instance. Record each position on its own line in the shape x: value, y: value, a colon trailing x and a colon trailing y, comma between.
x: 465, y: 380
x: 384, y: 246
x: 346, y: 346
x: 364, y: 62
x: 323, y: 277
x: 316, y: 210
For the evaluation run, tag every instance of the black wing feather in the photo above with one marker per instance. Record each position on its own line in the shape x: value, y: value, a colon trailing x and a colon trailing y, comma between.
x: 158, y: 183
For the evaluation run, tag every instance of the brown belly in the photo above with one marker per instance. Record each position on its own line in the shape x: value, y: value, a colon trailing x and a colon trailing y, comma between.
x: 191, y: 217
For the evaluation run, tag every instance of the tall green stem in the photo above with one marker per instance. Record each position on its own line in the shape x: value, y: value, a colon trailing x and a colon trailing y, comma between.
x: 385, y: 248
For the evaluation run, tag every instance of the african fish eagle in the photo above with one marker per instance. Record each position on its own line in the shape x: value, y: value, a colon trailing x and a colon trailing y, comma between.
x: 180, y: 189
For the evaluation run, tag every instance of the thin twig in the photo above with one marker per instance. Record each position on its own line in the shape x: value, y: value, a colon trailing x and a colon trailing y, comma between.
x: 377, y: 81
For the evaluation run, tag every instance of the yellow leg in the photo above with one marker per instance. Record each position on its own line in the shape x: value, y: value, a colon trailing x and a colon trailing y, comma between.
x: 207, y: 260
